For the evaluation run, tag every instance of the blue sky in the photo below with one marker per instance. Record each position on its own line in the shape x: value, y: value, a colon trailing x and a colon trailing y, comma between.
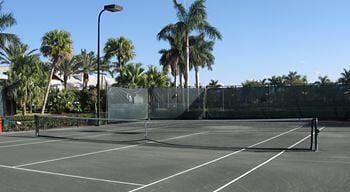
x: 261, y: 37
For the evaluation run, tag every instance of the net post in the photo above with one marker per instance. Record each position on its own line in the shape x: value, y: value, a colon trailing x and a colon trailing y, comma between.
x: 312, y: 133
x: 316, y: 134
x: 36, y: 122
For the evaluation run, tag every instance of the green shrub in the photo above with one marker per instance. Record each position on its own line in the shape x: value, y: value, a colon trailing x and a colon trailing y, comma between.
x: 60, y: 101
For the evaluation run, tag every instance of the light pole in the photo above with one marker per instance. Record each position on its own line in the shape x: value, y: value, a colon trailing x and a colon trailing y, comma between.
x: 110, y: 8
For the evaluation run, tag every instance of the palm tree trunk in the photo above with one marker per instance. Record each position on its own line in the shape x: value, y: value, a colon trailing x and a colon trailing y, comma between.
x: 187, y: 61
x: 180, y: 79
x: 175, y: 78
x: 47, y: 90
x: 197, y: 77
x: 85, y: 80
x: 24, y: 112
x: 31, y: 108
x: 187, y: 76
x: 65, y: 79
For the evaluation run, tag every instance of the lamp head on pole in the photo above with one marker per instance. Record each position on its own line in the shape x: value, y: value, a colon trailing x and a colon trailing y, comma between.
x: 113, y: 8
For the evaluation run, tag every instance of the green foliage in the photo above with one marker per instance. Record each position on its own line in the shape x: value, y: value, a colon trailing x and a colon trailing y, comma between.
x: 57, y: 45
x: 122, y: 49
x: 26, y: 77
x: 291, y: 79
x: 276, y: 80
x: 10, y: 125
x: 67, y: 68
x: 87, y: 64
x: 172, y: 59
x: 132, y: 76
x: 201, y: 54
x: 254, y: 83
x: 6, y: 20
x: 323, y: 80
x: 88, y: 98
x: 156, y: 78
x: 345, y: 77
x: 60, y: 101
x: 213, y: 84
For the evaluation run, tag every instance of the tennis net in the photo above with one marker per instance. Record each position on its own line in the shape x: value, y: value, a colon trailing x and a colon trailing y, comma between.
x: 265, y: 134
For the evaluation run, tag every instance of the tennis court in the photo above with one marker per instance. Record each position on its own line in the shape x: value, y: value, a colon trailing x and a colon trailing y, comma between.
x: 201, y: 155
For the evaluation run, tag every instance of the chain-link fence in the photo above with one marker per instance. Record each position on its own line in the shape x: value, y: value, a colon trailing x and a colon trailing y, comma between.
x: 323, y: 101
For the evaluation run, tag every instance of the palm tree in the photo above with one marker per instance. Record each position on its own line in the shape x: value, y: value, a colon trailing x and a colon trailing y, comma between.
x: 255, y: 83
x: 172, y: 58
x: 276, y: 80
x: 156, y: 78
x: 14, y: 50
x: 323, y: 80
x: 201, y: 54
x: 6, y: 20
x: 122, y: 49
x: 345, y: 77
x: 24, y: 84
x: 87, y: 64
x: 67, y: 68
x: 213, y: 84
x: 293, y: 78
x: 193, y: 19
x: 57, y: 46
x: 132, y: 76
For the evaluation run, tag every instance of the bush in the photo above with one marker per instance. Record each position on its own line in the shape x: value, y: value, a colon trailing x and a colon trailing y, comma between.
x: 60, y: 101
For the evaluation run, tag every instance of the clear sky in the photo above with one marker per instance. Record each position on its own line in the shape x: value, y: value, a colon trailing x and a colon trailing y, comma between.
x: 261, y: 37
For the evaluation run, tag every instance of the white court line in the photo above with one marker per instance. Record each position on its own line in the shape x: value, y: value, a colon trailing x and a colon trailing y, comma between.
x: 49, y: 141
x: 212, y: 161
x: 71, y: 176
x: 16, y: 141
x: 262, y: 164
x: 102, y: 151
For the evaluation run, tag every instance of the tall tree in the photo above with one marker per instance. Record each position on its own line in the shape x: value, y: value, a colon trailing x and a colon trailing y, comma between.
x: 6, y: 20
x: 172, y: 58
x: 25, y: 83
x: 122, y: 49
x: 87, y: 65
x: 193, y: 19
x: 67, y: 68
x: 201, y: 54
x: 345, y: 77
x: 57, y: 45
